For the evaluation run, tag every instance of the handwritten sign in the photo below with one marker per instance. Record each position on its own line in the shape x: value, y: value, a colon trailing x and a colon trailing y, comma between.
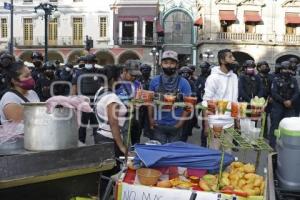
x: 139, y: 192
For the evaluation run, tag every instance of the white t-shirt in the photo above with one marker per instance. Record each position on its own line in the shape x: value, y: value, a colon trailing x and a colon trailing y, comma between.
x: 10, y: 97
x: 101, y: 109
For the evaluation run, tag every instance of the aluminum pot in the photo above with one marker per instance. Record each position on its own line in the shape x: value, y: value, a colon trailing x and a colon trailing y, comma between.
x: 44, y: 131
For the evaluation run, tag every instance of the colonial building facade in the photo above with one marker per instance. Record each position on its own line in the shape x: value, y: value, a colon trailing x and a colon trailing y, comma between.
x: 254, y: 29
x: 66, y: 34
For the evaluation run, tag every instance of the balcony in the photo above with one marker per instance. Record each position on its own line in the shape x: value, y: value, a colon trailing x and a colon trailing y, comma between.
x: 291, y: 39
x: 37, y: 41
x: 129, y: 41
x: 249, y: 38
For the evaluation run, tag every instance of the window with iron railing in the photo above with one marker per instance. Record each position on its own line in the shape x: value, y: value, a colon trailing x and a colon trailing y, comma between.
x: 3, y: 28
x: 28, y: 31
x: 27, y: 1
x: 103, y: 27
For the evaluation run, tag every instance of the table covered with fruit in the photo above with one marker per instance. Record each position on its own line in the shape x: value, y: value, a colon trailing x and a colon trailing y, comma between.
x: 185, y: 171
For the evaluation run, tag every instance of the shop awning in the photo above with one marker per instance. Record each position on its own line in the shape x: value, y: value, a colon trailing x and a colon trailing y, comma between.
x: 148, y: 18
x: 128, y: 18
x: 252, y: 16
x: 292, y: 18
x: 198, y: 22
x: 227, y: 15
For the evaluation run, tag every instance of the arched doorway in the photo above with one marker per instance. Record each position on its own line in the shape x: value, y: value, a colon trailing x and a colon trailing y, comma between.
x: 178, y: 35
x: 26, y: 56
x: 72, y: 58
x: 128, y: 55
x: 241, y: 57
x: 54, y: 56
x: 286, y: 57
x: 105, y: 58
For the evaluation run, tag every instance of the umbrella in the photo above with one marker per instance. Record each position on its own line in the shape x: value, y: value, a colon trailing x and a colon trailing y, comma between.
x: 182, y: 155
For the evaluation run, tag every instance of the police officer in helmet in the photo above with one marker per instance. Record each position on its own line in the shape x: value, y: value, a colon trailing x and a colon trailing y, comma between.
x: 66, y: 77
x: 87, y: 82
x: 5, y: 60
x: 249, y: 83
x: 37, y: 60
x: 43, y: 84
x: 284, y: 92
x: 146, y: 73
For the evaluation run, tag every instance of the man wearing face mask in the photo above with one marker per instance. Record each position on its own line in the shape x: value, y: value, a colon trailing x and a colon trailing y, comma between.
x: 249, y: 83
x: 285, y: 93
x: 43, y: 84
x: 37, y: 60
x: 65, y: 76
x: 167, y: 122
x: 86, y: 82
x: 222, y: 83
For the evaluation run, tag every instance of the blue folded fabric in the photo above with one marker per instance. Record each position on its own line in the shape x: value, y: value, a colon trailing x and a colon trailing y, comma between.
x: 180, y: 154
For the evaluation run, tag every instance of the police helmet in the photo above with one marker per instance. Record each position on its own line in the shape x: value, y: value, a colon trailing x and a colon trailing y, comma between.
x: 249, y: 63
x: 204, y: 65
x: 49, y: 66
x: 145, y: 68
x: 81, y: 58
x: 37, y: 55
x: 6, y: 59
x: 259, y: 64
x: 185, y: 69
x: 192, y: 67
x: 285, y: 65
x: 294, y: 60
x: 91, y: 58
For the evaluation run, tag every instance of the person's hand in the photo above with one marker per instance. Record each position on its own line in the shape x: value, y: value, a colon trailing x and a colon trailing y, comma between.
x: 287, y: 103
x: 270, y: 100
x: 123, y: 149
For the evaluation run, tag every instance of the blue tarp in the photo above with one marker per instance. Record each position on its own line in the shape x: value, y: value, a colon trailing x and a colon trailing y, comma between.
x: 180, y: 154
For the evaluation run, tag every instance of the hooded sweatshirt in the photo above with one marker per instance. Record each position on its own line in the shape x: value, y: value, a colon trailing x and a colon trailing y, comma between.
x: 220, y: 85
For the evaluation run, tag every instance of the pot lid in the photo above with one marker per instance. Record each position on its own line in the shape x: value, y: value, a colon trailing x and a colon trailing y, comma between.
x: 290, y: 126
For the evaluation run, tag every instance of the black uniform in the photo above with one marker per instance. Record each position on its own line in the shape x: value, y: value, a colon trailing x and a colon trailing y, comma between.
x: 89, y: 83
x: 284, y: 87
x: 200, y: 86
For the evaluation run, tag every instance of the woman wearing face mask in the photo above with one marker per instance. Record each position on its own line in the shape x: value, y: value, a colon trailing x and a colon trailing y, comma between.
x: 249, y: 83
x: 21, y: 85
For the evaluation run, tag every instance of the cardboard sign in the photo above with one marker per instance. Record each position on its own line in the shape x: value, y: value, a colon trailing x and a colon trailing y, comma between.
x: 139, y: 192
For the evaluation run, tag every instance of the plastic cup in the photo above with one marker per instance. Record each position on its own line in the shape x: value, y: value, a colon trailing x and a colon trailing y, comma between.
x: 243, y: 109
x: 234, y: 109
x: 222, y: 106
x: 211, y: 106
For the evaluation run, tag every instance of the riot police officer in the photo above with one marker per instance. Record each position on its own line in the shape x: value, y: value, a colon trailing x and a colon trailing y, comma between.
x: 277, y: 68
x: 143, y: 111
x: 294, y: 62
x: 205, y: 69
x: 43, y: 84
x: 284, y: 92
x: 65, y: 78
x: 249, y: 83
x: 193, y: 77
x: 187, y: 128
x: 5, y: 60
x: 37, y: 60
x: 266, y: 80
x: 86, y: 82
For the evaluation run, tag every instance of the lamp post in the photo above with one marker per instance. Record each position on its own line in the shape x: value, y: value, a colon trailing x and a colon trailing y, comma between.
x: 154, y: 53
x: 208, y: 54
x: 45, y: 10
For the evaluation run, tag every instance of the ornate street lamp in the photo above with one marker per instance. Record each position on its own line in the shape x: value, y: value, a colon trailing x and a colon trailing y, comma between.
x: 45, y: 10
x: 154, y: 53
x: 208, y: 54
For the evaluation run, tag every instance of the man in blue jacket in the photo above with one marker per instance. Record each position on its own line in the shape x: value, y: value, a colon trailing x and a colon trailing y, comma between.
x: 167, y: 123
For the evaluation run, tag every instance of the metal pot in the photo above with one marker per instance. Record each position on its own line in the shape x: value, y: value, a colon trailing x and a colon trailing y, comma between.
x: 44, y: 131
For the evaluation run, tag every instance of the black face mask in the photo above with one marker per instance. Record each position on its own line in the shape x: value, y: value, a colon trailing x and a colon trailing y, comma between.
x: 265, y: 71
x: 185, y: 75
x: 146, y: 75
x: 50, y: 75
x: 169, y: 71
x: 205, y: 71
x: 286, y: 75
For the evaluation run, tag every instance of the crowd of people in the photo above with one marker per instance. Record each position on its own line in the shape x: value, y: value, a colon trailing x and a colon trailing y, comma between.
x: 229, y: 81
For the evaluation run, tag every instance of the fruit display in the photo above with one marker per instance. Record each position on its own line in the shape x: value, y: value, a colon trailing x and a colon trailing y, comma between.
x: 240, y: 179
